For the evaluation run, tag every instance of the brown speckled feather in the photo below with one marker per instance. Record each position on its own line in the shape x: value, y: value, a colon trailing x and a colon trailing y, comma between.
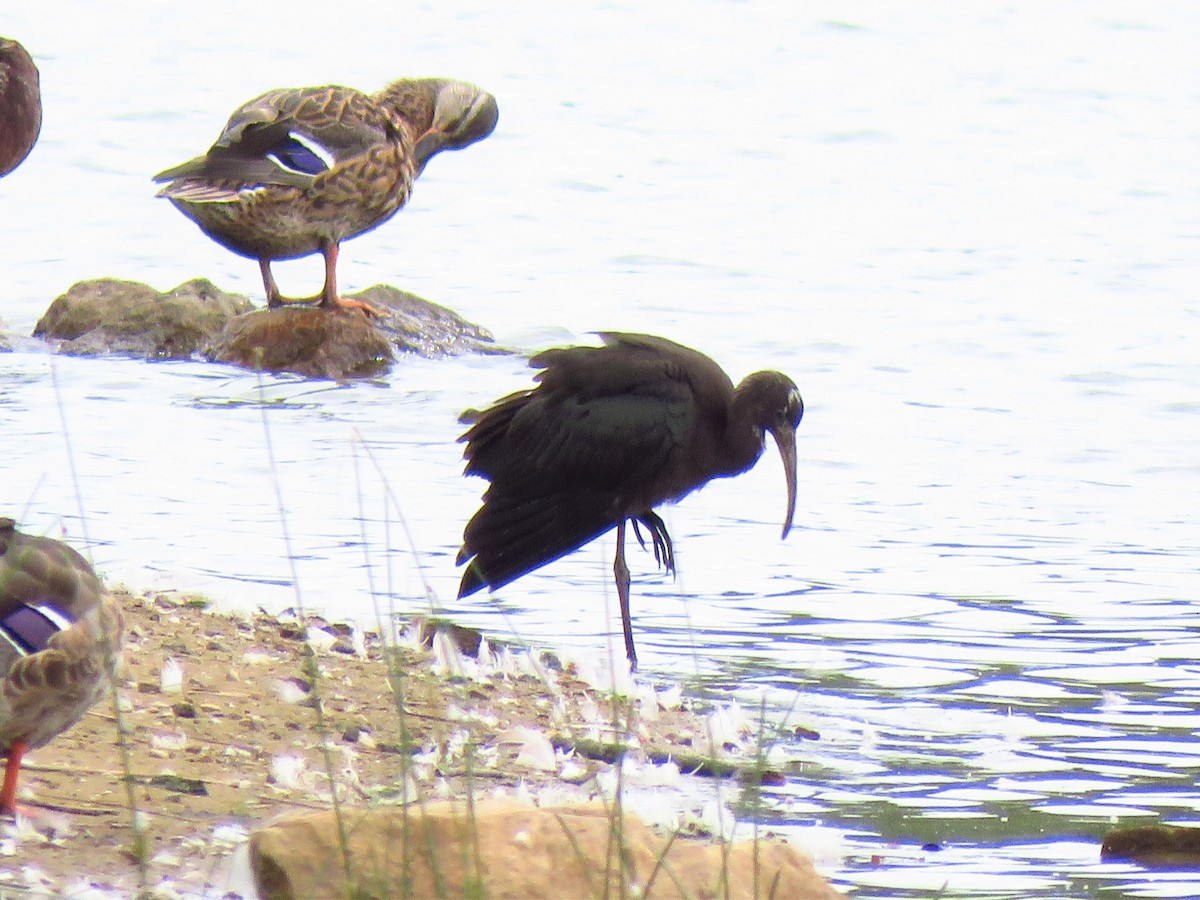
x: 257, y: 208
x: 298, y: 170
x: 46, y: 692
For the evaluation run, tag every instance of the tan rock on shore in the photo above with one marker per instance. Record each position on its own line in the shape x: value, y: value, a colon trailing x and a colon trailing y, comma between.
x: 502, y: 849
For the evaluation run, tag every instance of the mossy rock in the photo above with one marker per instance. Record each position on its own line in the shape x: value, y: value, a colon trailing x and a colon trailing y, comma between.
x: 415, y: 325
x: 347, y: 343
x: 108, y: 315
x: 315, y: 342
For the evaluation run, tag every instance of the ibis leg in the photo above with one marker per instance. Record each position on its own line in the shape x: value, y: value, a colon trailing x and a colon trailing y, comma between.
x: 664, y: 552
x: 621, y: 574
x: 8, y: 794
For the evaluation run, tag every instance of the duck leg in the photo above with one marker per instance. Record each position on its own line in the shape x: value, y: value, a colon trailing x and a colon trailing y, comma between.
x: 327, y: 299
x: 274, y: 298
x: 621, y: 574
x: 329, y: 294
x: 8, y: 794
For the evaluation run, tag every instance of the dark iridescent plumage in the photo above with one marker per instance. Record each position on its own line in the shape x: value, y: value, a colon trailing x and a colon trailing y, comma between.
x: 20, y: 105
x: 610, y: 433
x: 299, y: 170
x: 60, y: 636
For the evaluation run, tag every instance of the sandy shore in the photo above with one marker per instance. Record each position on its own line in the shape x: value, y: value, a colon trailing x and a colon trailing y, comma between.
x: 224, y: 734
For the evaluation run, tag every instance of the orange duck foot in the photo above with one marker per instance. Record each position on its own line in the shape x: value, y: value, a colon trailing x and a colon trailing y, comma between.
x: 327, y: 299
x: 8, y: 794
x: 348, y: 303
x: 320, y: 301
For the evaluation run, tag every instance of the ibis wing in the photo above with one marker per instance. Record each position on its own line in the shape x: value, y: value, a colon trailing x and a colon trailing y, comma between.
x: 614, y: 442
x: 513, y: 534
x: 566, y: 465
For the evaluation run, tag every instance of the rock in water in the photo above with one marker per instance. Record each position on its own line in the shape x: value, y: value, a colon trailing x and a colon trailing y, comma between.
x: 1154, y: 846
x: 332, y: 343
x: 309, y: 341
x: 108, y: 315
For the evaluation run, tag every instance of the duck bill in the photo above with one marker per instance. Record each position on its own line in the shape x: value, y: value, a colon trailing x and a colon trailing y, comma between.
x: 785, y: 439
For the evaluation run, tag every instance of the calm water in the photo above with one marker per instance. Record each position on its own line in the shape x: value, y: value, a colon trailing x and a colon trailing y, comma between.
x: 970, y: 237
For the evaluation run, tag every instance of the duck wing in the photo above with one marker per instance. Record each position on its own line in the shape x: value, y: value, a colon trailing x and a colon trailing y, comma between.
x: 286, y: 137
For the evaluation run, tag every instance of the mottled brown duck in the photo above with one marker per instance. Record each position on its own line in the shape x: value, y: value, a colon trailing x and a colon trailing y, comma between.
x: 608, y: 434
x: 20, y: 105
x: 60, y: 637
x: 299, y: 170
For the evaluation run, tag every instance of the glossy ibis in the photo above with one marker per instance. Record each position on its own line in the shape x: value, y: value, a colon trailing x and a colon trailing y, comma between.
x: 60, y: 633
x: 608, y: 434
x: 299, y: 170
x: 20, y: 105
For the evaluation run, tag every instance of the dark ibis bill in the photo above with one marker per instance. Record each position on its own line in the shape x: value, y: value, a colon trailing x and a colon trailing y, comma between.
x: 785, y: 439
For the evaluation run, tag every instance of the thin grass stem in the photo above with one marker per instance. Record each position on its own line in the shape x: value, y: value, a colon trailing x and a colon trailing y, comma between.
x: 309, y: 664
